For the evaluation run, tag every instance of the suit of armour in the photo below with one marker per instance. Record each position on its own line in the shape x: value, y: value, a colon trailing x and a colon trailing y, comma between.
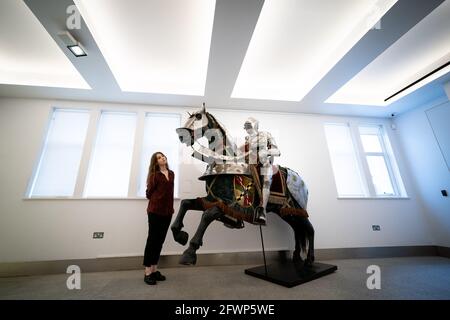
x: 261, y: 149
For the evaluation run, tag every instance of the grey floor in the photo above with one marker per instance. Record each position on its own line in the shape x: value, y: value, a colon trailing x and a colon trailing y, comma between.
x: 401, y: 278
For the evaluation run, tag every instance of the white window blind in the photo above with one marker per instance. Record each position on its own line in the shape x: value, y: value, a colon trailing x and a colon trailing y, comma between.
x: 345, y: 165
x: 110, y: 165
x: 59, y: 162
x: 160, y: 135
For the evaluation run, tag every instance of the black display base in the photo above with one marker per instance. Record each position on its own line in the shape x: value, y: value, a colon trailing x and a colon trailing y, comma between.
x: 290, y: 274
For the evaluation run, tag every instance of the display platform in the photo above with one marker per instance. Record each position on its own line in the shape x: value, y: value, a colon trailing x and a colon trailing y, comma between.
x: 290, y: 274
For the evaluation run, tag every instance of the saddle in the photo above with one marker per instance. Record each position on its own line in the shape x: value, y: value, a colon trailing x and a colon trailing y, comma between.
x: 245, y: 189
x: 278, y: 186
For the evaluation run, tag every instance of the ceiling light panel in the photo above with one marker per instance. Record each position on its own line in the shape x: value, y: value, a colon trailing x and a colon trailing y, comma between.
x: 28, y: 54
x: 153, y: 46
x: 421, y: 50
x: 296, y: 42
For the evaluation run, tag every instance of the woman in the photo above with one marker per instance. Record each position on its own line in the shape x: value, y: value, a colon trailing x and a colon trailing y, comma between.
x: 159, y: 211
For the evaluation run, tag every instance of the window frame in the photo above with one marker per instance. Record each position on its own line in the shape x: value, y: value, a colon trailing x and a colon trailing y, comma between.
x: 95, y: 138
x: 38, y: 160
x: 361, y: 157
x: 360, y: 168
x: 137, y: 183
x: 95, y: 112
x: 381, y: 135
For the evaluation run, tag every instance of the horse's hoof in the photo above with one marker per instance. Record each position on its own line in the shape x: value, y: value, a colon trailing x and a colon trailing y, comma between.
x: 188, y: 259
x: 181, y: 237
x: 176, y: 227
x: 296, y: 256
x: 309, y: 262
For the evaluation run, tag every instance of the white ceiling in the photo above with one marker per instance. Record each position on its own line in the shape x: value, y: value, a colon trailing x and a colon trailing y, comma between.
x: 420, y: 51
x: 153, y: 46
x: 183, y: 53
x: 292, y: 48
x: 28, y: 55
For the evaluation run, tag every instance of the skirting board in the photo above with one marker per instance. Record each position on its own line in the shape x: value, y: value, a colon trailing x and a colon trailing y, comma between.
x: 212, y: 259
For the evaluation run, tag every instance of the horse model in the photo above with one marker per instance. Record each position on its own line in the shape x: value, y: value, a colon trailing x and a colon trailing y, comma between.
x: 232, y: 193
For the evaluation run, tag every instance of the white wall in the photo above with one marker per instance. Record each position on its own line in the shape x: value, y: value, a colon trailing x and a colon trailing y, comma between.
x: 428, y: 168
x: 62, y: 229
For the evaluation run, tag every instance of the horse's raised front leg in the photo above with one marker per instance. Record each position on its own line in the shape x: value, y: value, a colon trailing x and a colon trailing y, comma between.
x: 186, y: 204
x: 189, y: 255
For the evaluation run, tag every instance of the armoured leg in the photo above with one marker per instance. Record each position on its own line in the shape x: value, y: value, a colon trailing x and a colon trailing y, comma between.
x: 260, y: 214
x: 266, y: 191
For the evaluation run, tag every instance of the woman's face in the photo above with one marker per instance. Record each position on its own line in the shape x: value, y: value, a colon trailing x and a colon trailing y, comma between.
x: 161, y: 159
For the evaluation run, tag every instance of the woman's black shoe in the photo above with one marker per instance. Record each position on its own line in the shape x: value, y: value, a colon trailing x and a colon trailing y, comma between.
x: 149, y: 279
x: 157, y: 276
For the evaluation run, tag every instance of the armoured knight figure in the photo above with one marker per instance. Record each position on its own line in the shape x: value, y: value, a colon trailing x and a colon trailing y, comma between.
x: 261, y: 149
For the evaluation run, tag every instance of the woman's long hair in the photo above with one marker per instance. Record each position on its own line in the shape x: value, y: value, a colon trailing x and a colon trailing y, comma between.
x: 154, y: 165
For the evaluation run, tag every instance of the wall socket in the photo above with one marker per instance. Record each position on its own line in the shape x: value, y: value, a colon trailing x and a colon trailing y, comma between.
x: 376, y: 227
x: 98, y: 235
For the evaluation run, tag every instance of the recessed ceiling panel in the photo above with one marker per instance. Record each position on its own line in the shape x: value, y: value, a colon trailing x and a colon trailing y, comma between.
x: 28, y: 54
x: 423, y: 49
x: 296, y: 42
x: 153, y: 46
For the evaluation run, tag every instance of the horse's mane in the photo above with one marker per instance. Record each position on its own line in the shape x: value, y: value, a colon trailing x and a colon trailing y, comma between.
x: 230, y: 146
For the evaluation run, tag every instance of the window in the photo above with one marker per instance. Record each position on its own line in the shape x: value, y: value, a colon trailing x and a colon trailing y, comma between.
x: 58, y: 165
x: 92, y: 153
x: 363, y: 162
x: 159, y: 135
x: 346, y: 170
x: 110, y: 165
x: 377, y: 160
